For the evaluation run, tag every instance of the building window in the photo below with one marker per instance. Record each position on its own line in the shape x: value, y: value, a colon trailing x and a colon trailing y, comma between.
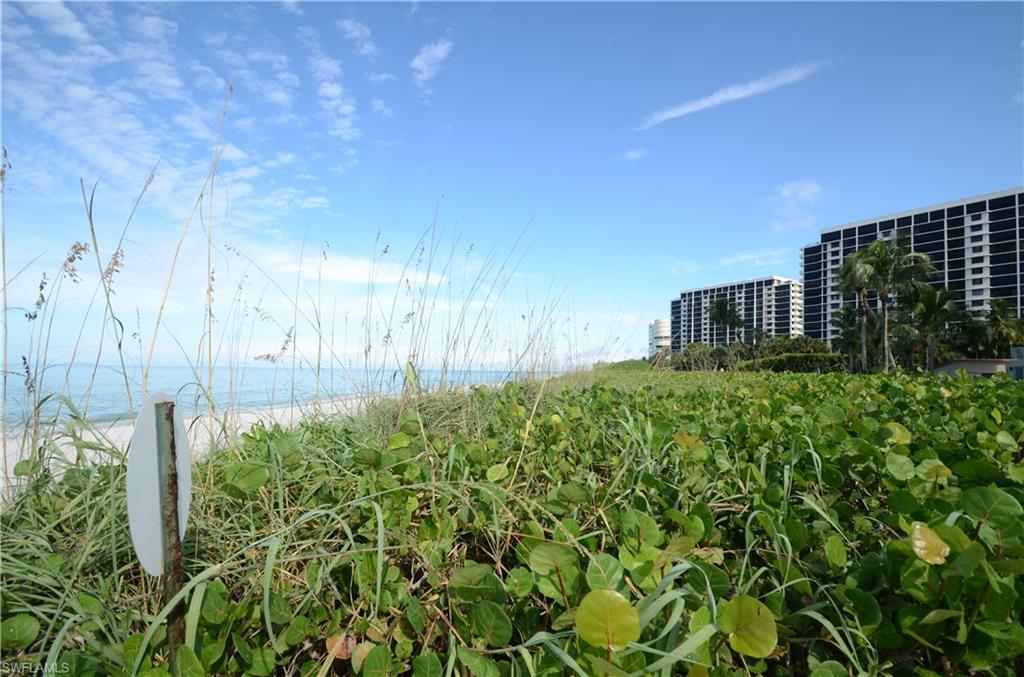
x: 975, y: 217
x: 977, y: 250
x: 977, y: 259
x: 977, y: 228
x: 977, y: 281
x: 977, y: 271
x: 977, y: 292
x: 977, y: 303
x: 977, y: 238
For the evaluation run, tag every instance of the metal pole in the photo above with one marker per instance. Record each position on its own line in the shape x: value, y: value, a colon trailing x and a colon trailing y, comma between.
x: 173, y: 570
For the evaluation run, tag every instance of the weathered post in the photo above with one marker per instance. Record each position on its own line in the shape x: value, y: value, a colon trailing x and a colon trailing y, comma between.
x: 173, y: 567
x: 159, y: 490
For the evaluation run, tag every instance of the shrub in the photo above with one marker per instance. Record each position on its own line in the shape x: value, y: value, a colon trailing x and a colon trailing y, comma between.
x: 819, y: 363
x: 782, y: 345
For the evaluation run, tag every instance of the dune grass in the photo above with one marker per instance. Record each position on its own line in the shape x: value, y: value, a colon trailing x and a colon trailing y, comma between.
x: 463, y: 533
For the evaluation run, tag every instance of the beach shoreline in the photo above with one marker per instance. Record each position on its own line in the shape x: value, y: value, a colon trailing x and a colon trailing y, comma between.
x: 205, y: 431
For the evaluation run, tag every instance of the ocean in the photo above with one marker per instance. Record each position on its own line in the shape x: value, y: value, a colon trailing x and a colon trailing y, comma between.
x: 102, y: 396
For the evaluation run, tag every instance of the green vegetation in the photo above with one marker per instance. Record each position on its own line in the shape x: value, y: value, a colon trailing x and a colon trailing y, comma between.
x: 817, y: 363
x: 900, y: 320
x: 617, y: 522
x: 778, y: 353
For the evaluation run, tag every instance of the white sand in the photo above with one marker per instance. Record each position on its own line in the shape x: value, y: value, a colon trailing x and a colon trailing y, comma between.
x: 117, y: 434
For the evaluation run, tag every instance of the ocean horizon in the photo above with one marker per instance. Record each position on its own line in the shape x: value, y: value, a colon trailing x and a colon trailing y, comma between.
x: 100, y: 394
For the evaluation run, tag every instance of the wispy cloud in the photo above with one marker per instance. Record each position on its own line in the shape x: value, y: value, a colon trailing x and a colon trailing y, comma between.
x: 292, y: 6
x: 428, y: 61
x: 359, y: 34
x: 57, y: 19
x: 682, y: 268
x: 382, y: 109
x: 788, y: 76
x: 634, y: 154
x: 314, y: 202
x: 379, y: 78
x: 794, y: 203
x: 338, y: 107
x: 764, y: 257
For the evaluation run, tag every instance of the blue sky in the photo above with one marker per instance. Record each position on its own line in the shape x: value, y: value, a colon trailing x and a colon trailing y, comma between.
x: 647, y: 147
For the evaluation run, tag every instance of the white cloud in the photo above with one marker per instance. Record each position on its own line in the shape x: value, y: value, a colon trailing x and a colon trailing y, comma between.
x: 58, y: 19
x: 359, y: 34
x: 764, y: 257
x: 315, y: 202
x: 233, y: 153
x: 350, y: 159
x: 292, y: 6
x: 282, y: 159
x: 379, y: 78
x: 382, y: 109
x: 681, y: 268
x: 634, y: 154
x: 428, y: 61
x: 794, y: 203
x: 337, y: 106
x: 731, y: 93
x: 153, y: 27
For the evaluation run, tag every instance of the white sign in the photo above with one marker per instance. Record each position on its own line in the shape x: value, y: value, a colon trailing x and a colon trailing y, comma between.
x: 145, y: 517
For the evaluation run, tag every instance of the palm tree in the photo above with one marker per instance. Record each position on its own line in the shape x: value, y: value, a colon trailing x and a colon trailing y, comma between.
x: 854, y: 276
x: 893, y: 269
x: 846, y: 322
x: 723, y: 313
x: 1004, y: 329
x: 931, y: 312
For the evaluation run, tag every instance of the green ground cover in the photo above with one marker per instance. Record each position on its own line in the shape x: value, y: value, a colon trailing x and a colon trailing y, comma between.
x: 625, y: 522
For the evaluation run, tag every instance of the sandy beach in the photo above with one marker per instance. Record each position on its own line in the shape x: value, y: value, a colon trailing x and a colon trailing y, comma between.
x: 221, y: 429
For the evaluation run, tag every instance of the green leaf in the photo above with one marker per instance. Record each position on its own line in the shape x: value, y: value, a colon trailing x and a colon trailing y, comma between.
x: 865, y: 606
x: 188, y: 663
x: 519, y: 582
x: 377, y: 663
x: 359, y: 654
x: 932, y: 469
x: 215, y: 603
x: 993, y: 506
x: 427, y: 665
x: 478, y: 666
x: 976, y: 468
x: 1005, y: 440
x: 967, y: 561
x: 835, y: 551
x: 497, y: 472
x: 366, y: 457
x: 211, y: 652
x: 18, y: 632
x: 262, y: 662
x: 246, y: 476
x: 573, y: 493
x: 604, y: 572
x: 415, y: 614
x: 545, y: 558
x: 489, y: 622
x: 899, y: 466
x: 750, y: 626
x: 605, y: 619
x: 940, y: 615
x: 399, y: 441
x: 897, y: 433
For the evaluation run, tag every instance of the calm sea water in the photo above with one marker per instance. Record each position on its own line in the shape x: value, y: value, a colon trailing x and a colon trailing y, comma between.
x: 251, y: 387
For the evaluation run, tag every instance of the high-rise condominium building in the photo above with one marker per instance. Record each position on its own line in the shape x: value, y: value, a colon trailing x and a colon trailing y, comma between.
x: 659, y: 336
x: 975, y: 244
x: 771, y: 306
